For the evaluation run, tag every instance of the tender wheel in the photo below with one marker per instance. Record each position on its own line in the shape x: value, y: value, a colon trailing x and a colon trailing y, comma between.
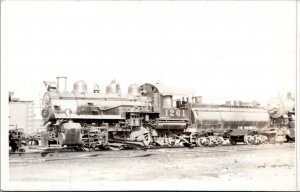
x: 220, y: 140
x: 232, y: 141
x: 261, y: 139
x: 271, y: 139
x: 249, y: 139
x: 205, y: 141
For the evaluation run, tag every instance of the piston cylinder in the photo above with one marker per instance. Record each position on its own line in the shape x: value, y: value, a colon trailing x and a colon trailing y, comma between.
x: 70, y: 134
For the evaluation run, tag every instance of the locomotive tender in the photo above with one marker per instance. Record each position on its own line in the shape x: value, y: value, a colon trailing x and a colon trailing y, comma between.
x: 147, y: 115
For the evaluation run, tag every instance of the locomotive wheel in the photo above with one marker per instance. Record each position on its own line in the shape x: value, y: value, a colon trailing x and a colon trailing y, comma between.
x: 212, y: 141
x: 142, y: 135
x: 177, y: 142
x: 147, y: 139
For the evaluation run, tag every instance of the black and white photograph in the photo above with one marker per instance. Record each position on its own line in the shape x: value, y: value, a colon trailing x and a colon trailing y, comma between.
x: 149, y: 95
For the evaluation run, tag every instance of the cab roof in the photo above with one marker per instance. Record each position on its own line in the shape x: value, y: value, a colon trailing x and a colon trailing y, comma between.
x: 169, y: 89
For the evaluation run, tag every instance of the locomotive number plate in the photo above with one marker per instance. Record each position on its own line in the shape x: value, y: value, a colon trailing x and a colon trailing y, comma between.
x: 175, y: 113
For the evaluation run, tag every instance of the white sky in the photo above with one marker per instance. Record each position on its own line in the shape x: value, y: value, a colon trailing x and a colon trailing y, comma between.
x: 226, y: 50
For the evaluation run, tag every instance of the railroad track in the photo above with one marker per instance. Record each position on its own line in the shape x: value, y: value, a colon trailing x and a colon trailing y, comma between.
x: 64, y: 154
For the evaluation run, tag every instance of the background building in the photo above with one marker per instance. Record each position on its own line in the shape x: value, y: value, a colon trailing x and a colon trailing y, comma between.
x: 21, y: 116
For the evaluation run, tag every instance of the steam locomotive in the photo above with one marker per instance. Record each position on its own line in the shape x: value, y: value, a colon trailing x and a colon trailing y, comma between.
x: 91, y: 120
x: 16, y: 139
x: 148, y: 115
x: 281, y: 110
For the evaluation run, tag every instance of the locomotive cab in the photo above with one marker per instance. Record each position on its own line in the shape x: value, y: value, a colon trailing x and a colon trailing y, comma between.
x: 172, y: 103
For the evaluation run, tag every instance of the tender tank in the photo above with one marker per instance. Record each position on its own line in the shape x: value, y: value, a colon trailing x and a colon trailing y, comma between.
x: 278, y: 106
x: 229, y: 117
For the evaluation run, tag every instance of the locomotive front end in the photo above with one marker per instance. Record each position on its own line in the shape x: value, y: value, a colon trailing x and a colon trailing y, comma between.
x: 282, y: 114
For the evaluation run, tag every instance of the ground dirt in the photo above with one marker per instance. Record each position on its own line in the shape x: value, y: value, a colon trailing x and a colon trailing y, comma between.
x: 240, y: 167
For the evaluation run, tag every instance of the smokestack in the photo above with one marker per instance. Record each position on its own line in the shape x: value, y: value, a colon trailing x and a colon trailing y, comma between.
x: 61, y: 84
